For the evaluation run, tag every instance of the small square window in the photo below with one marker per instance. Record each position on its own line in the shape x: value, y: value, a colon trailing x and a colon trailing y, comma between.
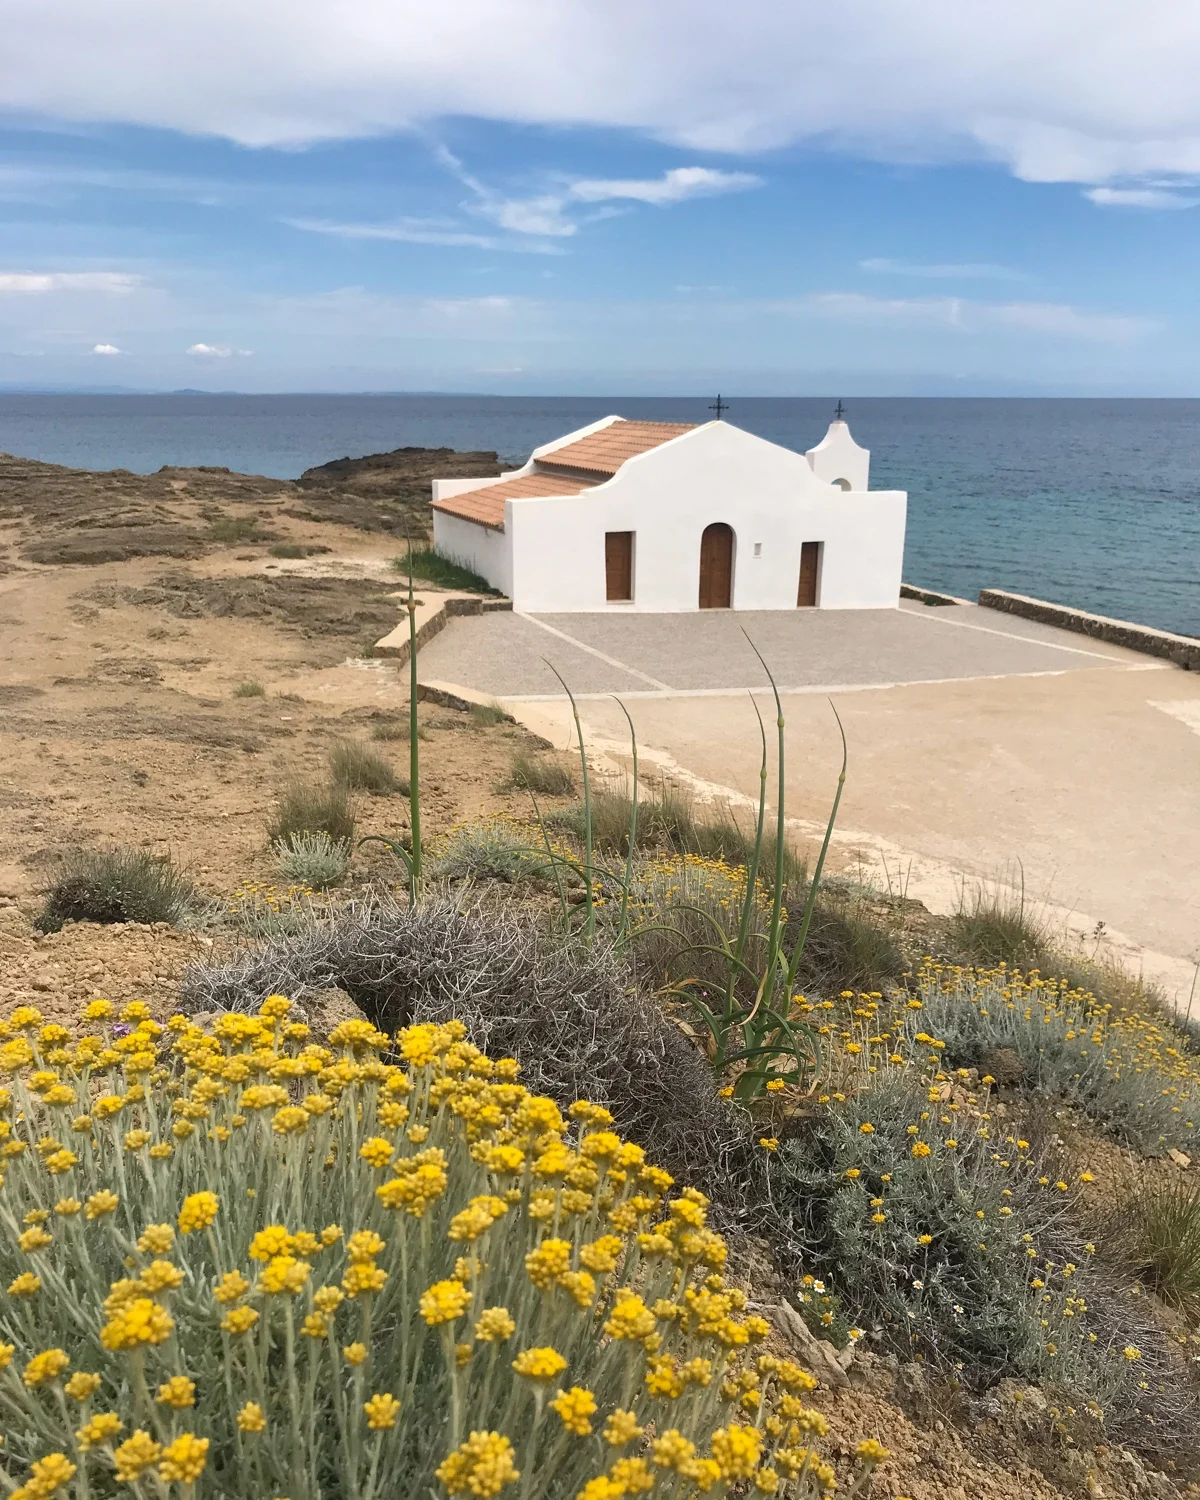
x: 758, y: 549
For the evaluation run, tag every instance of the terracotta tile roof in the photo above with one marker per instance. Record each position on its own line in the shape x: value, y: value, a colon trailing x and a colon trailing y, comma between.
x: 486, y: 506
x: 605, y: 451
x: 601, y: 454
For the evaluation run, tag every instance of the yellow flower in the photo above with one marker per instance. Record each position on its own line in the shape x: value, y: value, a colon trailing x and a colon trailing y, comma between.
x: 1131, y: 1352
x: 239, y: 1320
x: 376, y: 1152
x: 621, y: 1428
x: 631, y: 1476
x: 230, y: 1287
x: 575, y: 1407
x: 494, y: 1325
x: 67, y: 1207
x: 135, y: 1454
x: 251, y: 1418
x: 284, y: 1273
x: 382, y: 1411
x: 673, y: 1451
x: 540, y: 1364
x: 866, y: 1128
x: 34, y: 1239
x: 315, y: 1326
x: 482, y: 1465
x: 548, y: 1262
x: 139, y: 1321
x: 161, y: 1274
x: 328, y: 1299
x: 99, y: 1429
x: 198, y: 1211
x: 630, y: 1318
x: 269, y: 1242
x: 355, y: 1354
x: 870, y: 1451
x: 363, y: 1276
x: 48, y: 1365
x: 25, y: 1285
x: 47, y: 1475
x: 444, y: 1301
x: 156, y: 1239
x: 59, y: 1162
x: 363, y: 1246
x: 921, y: 1148
x: 736, y: 1450
x: 776, y: 1085
x: 183, y: 1460
x: 290, y: 1120
x: 81, y: 1386
x: 768, y: 1142
x: 177, y: 1392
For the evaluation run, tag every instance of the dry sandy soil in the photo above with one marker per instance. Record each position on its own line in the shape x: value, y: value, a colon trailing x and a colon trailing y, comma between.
x: 127, y: 624
x: 130, y: 611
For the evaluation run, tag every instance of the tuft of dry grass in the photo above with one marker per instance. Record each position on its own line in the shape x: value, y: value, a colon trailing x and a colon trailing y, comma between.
x: 356, y: 767
x: 250, y: 689
x: 303, y: 808
x: 541, y: 774
x: 114, y: 885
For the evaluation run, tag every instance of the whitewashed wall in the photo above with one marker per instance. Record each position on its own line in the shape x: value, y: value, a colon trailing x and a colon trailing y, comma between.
x: 479, y: 548
x: 667, y: 497
x: 550, y: 556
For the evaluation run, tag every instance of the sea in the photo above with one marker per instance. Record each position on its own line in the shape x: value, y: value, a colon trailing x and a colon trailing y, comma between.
x: 1090, y: 503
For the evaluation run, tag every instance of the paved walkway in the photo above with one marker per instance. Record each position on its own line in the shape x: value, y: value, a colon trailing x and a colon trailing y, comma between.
x: 507, y: 655
x: 982, y: 747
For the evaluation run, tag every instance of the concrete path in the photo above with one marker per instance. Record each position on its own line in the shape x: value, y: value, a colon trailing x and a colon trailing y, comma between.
x: 980, y: 745
x: 507, y: 655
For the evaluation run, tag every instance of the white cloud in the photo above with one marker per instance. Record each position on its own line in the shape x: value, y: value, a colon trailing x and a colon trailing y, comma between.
x: 1054, y: 319
x: 35, y: 282
x: 1057, y: 90
x: 672, y: 187
x: 105, y: 349
x: 942, y: 271
x: 1149, y: 197
x: 415, y: 232
x: 460, y: 307
x: 210, y: 351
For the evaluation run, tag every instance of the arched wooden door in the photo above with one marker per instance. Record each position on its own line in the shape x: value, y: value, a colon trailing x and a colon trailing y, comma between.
x: 716, y: 566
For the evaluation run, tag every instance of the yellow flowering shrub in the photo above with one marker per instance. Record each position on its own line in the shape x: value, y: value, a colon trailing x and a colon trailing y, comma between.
x: 434, y: 1283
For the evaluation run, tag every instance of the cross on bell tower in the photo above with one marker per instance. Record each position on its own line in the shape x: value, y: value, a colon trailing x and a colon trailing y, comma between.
x: 839, y: 413
x: 718, y: 406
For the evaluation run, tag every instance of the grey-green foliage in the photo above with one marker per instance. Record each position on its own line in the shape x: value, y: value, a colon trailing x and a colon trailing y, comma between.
x: 313, y: 859
x: 114, y: 885
x: 1053, y: 1037
x: 1003, y: 1254
x: 491, y: 851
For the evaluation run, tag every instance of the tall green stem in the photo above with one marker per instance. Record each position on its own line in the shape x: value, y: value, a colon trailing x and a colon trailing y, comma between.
x: 414, y: 753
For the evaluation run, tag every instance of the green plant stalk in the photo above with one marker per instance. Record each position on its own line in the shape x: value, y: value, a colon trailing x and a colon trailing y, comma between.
x: 633, y: 818
x: 590, y: 920
x: 414, y: 753
x: 775, y: 931
x: 814, y: 884
x: 751, y: 873
x: 550, y: 855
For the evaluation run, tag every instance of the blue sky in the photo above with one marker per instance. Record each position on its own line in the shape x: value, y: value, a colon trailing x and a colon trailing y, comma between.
x: 574, y: 196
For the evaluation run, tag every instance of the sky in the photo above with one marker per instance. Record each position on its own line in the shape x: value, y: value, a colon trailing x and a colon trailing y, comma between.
x: 601, y: 196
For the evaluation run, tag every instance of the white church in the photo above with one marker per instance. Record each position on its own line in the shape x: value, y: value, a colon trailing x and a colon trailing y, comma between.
x: 665, y: 516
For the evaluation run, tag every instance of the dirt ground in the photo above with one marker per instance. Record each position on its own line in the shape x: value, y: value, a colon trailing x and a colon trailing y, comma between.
x: 119, y: 720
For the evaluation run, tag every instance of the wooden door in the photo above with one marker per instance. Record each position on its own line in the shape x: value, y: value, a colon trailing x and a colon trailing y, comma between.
x: 810, y: 565
x: 618, y: 565
x: 716, y: 566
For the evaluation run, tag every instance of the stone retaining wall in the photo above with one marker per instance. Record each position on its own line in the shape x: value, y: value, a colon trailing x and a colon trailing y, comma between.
x: 452, y: 609
x: 1183, y: 650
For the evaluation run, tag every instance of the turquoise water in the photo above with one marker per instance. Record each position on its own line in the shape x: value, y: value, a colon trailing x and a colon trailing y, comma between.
x: 1095, y: 504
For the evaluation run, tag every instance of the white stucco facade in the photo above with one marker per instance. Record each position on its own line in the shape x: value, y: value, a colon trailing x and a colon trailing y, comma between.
x: 549, y: 554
